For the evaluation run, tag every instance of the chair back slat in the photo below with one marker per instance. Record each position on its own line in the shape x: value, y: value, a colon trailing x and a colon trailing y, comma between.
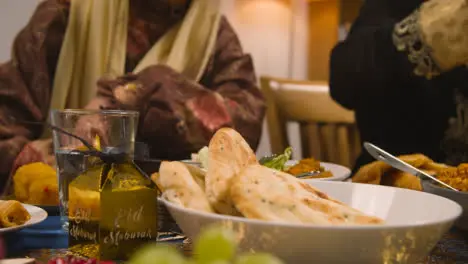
x: 328, y: 131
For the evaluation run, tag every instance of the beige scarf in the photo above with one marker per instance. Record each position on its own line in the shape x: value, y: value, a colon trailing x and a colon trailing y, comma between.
x: 96, y: 40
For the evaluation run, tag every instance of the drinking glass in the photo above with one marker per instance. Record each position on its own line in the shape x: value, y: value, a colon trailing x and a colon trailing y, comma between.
x: 115, y: 129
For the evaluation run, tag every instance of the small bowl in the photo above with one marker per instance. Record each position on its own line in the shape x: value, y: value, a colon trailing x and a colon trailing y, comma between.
x: 459, y: 197
x: 415, y: 222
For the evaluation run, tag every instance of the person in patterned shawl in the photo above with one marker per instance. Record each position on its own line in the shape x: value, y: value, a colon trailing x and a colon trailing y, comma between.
x: 178, y: 62
x: 402, y: 70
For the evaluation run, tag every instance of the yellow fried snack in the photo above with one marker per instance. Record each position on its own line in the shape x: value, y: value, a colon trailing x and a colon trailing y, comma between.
x: 402, y: 179
x: 416, y: 160
x: 457, y: 177
x: 379, y: 172
x: 13, y: 213
x: 371, y: 173
x: 44, y: 192
x: 36, y: 183
x: 434, y: 167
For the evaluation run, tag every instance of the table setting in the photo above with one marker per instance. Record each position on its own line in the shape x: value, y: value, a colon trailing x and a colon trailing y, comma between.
x: 114, y: 206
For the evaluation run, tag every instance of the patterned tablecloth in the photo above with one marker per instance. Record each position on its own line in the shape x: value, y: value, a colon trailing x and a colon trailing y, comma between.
x: 453, y: 248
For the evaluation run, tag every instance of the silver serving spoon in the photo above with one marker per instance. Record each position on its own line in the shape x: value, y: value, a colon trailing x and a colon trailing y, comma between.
x: 397, y: 163
x: 194, y: 163
x: 307, y: 174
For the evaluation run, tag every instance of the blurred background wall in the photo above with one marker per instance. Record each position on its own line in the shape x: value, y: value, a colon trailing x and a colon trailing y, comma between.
x: 287, y: 38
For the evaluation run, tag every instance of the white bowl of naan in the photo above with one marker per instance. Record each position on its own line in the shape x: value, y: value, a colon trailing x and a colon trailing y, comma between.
x: 300, y: 222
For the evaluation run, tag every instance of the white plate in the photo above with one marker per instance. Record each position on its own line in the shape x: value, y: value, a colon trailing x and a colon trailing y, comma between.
x: 17, y: 261
x: 37, y: 216
x: 340, y: 173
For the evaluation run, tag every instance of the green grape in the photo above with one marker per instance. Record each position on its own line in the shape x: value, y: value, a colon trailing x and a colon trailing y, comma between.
x: 213, y: 262
x: 257, y: 258
x: 215, y: 244
x: 157, y: 254
x: 217, y: 262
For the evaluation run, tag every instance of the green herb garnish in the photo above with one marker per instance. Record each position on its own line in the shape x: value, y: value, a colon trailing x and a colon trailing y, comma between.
x: 277, y: 162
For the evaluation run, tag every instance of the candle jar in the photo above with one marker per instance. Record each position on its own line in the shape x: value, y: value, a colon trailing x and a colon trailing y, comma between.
x: 108, y: 206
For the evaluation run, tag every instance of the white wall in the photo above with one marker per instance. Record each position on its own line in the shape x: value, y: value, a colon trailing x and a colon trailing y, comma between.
x: 14, y: 15
x: 273, y: 31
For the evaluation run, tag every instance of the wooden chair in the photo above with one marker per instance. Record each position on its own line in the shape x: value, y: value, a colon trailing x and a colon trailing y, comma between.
x: 327, y: 130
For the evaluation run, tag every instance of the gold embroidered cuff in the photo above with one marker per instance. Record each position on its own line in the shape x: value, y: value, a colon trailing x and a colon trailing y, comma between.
x: 443, y: 25
x: 407, y: 37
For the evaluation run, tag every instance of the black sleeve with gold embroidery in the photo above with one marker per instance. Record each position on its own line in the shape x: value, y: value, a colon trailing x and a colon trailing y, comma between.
x: 368, y: 64
x: 408, y: 38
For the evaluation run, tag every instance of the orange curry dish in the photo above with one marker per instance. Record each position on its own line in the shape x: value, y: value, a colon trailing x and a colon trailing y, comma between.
x: 309, y: 165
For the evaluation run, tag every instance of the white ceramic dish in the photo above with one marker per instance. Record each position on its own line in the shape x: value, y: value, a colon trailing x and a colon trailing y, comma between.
x: 340, y: 173
x: 415, y: 222
x: 17, y: 261
x: 460, y: 197
x: 37, y: 216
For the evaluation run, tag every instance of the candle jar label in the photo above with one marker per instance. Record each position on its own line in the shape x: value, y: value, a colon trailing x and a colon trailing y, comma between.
x: 112, y: 212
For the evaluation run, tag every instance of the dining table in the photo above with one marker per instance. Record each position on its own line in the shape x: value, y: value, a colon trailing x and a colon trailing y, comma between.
x: 451, y: 249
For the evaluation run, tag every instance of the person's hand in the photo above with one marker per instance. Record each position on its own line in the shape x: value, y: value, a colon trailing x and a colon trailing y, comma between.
x: 35, y: 151
x: 91, y: 126
x: 133, y: 92
x: 125, y: 91
x: 128, y: 95
x: 444, y: 28
x: 114, y: 95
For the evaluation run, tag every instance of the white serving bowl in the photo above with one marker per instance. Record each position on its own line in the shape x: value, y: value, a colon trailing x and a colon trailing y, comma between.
x: 460, y: 197
x: 415, y: 222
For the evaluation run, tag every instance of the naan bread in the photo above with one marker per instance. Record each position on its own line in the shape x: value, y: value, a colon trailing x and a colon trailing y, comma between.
x: 228, y: 154
x: 179, y: 186
x: 262, y: 193
x: 198, y: 175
